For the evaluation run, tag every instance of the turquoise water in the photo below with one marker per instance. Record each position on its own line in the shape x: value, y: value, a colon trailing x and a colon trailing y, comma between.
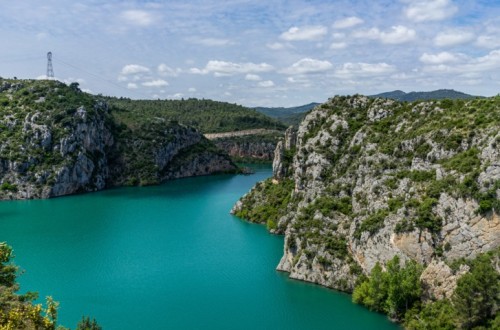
x: 167, y: 257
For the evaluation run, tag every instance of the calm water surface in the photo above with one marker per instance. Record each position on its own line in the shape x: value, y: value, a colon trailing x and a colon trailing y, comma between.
x: 167, y: 257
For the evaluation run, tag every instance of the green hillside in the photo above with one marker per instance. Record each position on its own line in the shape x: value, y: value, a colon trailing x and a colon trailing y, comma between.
x: 206, y: 115
x: 289, y: 116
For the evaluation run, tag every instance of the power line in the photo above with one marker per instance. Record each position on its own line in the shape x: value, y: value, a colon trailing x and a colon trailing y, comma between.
x: 99, y: 77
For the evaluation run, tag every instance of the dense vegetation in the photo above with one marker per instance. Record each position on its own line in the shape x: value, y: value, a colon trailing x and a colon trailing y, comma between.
x: 375, y: 178
x: 269, y: 212
x: 396, y: 291
x: 33, y: 108
x: 50, y: 130
x: 206, y: 115
x: 419, y: 130
x: 19, y: 311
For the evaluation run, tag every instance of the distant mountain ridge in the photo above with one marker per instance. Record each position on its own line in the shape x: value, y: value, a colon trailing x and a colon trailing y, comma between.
x: 281, y: 111
x: 294, y: 115
x: 439, y: 94
x: 288, y: 116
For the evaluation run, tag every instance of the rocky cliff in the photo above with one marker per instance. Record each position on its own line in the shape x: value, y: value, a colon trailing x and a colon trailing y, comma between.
x: 248, y: 145
x: 57, y: 140
x: 369, y: 179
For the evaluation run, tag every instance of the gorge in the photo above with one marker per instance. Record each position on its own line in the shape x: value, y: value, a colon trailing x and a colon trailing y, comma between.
x: 365, y: 180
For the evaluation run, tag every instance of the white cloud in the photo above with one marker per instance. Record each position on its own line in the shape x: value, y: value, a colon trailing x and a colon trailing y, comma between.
x: 308, y: 65
x: 266, y: 83
x: 275, y: 46
x: 212, y: 42
x: 487, y: 63
x: 223, y: 68
x: 488, y: 41
x: 338, y: 45
x: 252, y: 77
x: 138, y: 17
x: 155, y: 83
x: 347, y: 22
x: 453, y: 38
x: 349, y: 70
x: 42, y: 36
x: 197, y: 71
x: 167, y: 71
x: 176, y: 96
x: 305, y: 33
x: 132, y: 86
x: 134, y: 69
x: 192, y: 90
x: 429, y: 10
x: 443, y: 57
x: 397, y: 35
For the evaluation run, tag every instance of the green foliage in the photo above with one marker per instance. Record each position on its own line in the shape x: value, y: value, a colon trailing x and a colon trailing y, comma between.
x: 271, y: 224
x: 434, y: 315
x: 87, y: 324
x: 404, y: 286
x: 205, y: 115
x: 489, y: 200
x: 289, y: 116
x: 8, y: 187
x: 278, y: 195
x: 463, y: 162
x: 417, y: 176
x: 395, y: 204
x: 373, y: 291
x: 336, y: 246
x: 7, y: 270
x: 426, y: 218
x: 393, y: 291
x: 327, y: 204
x: 18, y: 311
x: 477, y: 294
x: 372, y: 223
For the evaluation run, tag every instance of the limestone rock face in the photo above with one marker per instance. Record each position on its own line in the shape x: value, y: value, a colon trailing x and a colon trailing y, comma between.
x: 258, y: 150
x: 80, y: 163
x: 281, y: 161
x: 58, y: 141
x: 278, y: 166
x: 439, y: 281
x: 376, y: 178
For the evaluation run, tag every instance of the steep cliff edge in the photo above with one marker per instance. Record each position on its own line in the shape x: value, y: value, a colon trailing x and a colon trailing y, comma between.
x: 57, y: 140
x: 370, y: 179
x: 248, y: 145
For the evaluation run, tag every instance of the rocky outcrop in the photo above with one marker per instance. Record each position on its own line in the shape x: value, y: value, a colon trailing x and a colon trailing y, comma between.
x: 58, y: 141
x: 376, y: 178
x: 239, y: 149
x: 282, y: 154
x: 248, y: 145
x: 439, y: 280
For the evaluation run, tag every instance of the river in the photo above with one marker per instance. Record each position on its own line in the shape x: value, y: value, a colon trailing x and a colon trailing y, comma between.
x: 167, y: 257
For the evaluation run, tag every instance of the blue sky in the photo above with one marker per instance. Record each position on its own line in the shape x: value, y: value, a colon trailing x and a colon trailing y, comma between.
x: 255, y: 52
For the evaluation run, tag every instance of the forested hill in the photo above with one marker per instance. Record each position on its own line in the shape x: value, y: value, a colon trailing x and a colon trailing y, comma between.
x: 288, y: 116
x: 56, y: 140
x: 206, y: 115
x: 439, y: 94
x: 281, y: 111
